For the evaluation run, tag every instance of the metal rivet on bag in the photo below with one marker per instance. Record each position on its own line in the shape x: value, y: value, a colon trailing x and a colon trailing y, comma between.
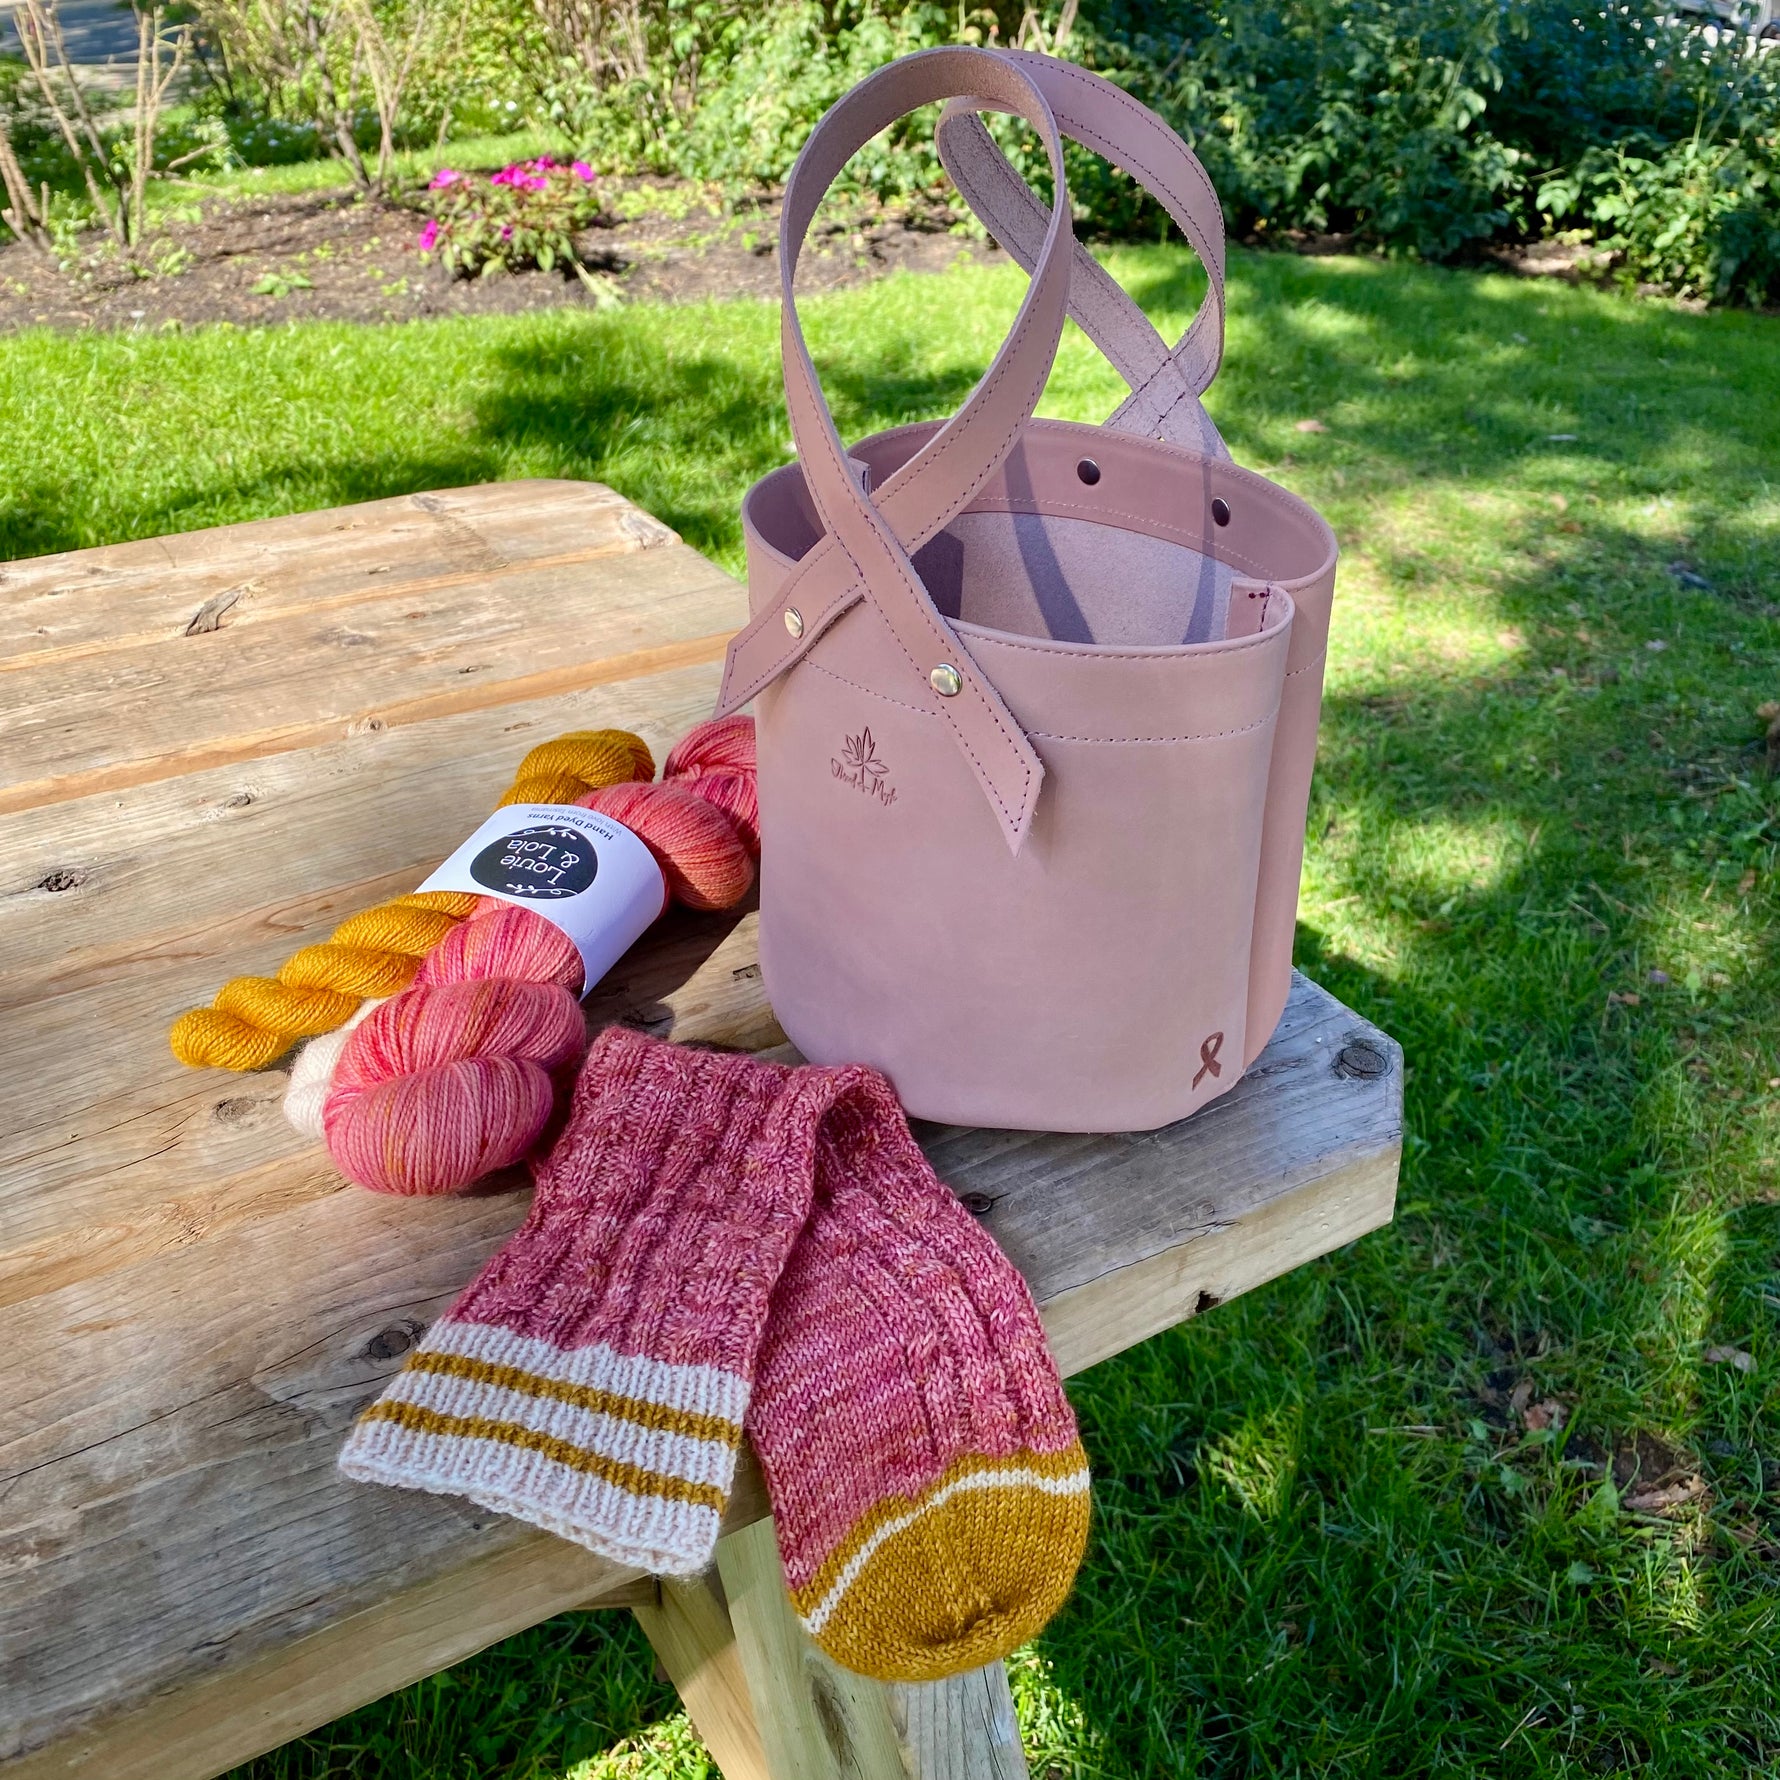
x: 946, y: 680
x: 794, y: 621
x: 1088, y: 470
x: 1220, y: 511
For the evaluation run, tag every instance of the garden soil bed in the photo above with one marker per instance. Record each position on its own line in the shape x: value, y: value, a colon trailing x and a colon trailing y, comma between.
x: 333, y: 256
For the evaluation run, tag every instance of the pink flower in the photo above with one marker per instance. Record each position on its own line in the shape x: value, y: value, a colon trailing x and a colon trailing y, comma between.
x: 429, y: 236
x: 444, y: 177
x: 506, y: 231
x: 581, y: 170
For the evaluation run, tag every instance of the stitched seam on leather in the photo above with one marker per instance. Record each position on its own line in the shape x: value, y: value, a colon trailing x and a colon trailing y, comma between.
x: 1144, y: 118
x: 1153, y: 181
x: 999, y: 455
x: 872, y: 691
x: 789, y: 658
x: 963, y: 739
x: 1226, y: 647
x: 1156, y: 184
x: 1020, y: 209
x: 1134, y: 741
x: 1293, y: 673
x: 981, y: 401
x: 1045, y: 735
x: 982, y: 398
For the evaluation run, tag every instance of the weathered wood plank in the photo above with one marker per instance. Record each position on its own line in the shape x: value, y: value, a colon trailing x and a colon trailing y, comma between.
x: 814, y: 1720
x: 125, y: 596
x: 73, y: 728
x: 203, y: 1728
x: 193, y: 1306
x: 186, y: 1157
x: 200, y: 878
x: 961, y: 1729
x: 96, y: 890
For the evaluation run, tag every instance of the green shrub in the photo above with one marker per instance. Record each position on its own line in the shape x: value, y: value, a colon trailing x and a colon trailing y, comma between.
x: 1425, y: 127
x: 1699, y: 219
x: 1348, y: 115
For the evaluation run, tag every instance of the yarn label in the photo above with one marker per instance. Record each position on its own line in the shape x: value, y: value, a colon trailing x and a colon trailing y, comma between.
x: 581, y: 871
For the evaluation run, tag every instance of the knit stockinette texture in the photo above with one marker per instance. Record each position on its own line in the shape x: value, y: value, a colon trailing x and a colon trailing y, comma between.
x: 593, y: 1378
x: 253, y: 1021
x: 718, y: 1241
x: 929, y: 1491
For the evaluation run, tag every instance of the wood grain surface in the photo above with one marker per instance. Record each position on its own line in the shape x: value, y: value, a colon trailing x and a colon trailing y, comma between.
x: 193, y: 1306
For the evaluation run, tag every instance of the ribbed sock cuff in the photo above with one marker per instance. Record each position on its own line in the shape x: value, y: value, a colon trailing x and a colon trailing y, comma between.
x: 630, y: 1456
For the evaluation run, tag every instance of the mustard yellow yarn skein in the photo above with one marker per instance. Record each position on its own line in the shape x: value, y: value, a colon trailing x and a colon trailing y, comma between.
x: 253, y: 1021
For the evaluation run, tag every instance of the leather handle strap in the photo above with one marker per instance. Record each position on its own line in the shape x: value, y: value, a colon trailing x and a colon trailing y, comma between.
x: 1166, y: 383
x: 865, y: 550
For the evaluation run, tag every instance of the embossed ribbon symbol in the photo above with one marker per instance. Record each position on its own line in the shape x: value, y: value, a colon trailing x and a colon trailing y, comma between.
x: 1208, y: 1058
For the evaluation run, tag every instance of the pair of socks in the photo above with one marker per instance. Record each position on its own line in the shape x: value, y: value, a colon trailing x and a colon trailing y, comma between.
x: 719, y: 1244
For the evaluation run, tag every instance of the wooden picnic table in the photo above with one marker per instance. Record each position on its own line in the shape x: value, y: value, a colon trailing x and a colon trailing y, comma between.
x: 215, y: 747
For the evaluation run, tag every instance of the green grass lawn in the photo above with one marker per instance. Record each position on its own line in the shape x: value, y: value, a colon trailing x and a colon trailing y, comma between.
x: 1330, y: 1541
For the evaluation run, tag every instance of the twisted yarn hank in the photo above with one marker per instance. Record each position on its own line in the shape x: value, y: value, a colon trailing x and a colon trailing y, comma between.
x: 440, y: 1086
x: 253, y: 1021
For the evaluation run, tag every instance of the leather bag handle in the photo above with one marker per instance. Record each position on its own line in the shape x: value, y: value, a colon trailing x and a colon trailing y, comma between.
x: 867, y: 541
x: 1166, y: 383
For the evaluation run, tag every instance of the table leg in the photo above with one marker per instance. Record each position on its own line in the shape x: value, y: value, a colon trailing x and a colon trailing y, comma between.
x: 818, y: 1721
x: 690, y: 1631
x: 962, y: 1728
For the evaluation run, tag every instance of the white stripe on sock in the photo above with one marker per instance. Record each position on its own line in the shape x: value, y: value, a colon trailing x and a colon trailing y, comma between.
x: 1074, y: 1484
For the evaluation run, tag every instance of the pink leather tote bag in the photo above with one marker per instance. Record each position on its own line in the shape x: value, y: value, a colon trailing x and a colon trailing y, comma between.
x: 1037, y: 702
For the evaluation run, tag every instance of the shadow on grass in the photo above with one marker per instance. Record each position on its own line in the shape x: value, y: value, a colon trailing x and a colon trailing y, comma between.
x: 1332, y: 1537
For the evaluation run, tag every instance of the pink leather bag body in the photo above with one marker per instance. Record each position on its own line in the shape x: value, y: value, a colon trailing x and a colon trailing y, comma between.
x: 1037, y: 702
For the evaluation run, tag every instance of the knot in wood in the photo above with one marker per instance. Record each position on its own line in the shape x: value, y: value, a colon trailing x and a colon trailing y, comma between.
x: 386, y: 1344
x: 1361, y: 1057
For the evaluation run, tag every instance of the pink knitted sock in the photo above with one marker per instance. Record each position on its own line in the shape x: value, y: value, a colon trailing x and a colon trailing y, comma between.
x: 929, y: 1490
x: 593, y: 1378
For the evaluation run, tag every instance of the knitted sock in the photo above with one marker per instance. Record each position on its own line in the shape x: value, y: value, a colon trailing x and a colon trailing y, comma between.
x: 593, y: 1378
x: 929, y: 1490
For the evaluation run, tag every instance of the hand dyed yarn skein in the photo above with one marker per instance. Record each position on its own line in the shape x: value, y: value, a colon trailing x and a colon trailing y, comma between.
x: 460, y: 1074
x: 719, y: 757
x: 253, y: 1021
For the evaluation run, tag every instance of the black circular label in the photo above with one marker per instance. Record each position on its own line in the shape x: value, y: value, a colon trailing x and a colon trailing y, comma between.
x: 540, y: 864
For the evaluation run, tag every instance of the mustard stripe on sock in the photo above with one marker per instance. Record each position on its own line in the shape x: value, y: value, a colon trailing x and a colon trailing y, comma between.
x: 960, y: 1577
x: 657, y: 1417
x: 1054, y: 1473
x: 613, y: 1471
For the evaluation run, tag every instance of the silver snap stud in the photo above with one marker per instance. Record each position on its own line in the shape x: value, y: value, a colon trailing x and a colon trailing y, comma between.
x: 946, y: 680
x: 1220, y: 511
x: 1088, y: 470
x: 794, y: 621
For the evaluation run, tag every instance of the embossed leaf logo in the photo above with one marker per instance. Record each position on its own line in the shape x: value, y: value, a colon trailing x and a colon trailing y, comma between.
x: 861, y: 754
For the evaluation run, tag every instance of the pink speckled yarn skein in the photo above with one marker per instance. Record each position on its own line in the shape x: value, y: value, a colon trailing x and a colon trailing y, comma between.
x: 436, y: 1089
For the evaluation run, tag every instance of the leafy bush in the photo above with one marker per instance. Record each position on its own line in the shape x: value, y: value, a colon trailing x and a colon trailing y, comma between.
x: 1431, y: 126
x: 1701, y: 220
x: 1343, y: 115
x: 525, y: 215
x: 1426, y: 127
